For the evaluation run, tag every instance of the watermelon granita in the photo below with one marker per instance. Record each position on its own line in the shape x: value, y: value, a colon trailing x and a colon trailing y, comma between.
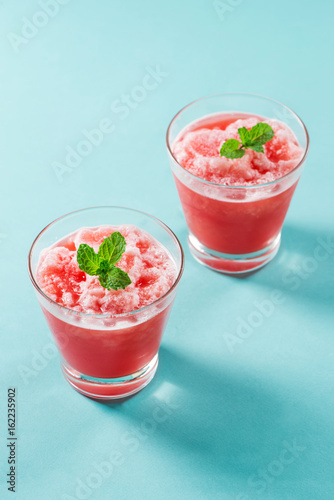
x: 150, y: 267
x: 105, y: 333
x: 234, y: 208
x: 197, y: 150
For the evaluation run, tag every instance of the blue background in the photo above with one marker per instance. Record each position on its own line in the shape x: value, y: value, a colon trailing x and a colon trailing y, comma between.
x: 229, y: 410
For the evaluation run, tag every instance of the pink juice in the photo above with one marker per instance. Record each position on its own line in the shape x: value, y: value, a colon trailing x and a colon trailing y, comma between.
x: 239, y: 221
x: 127, y: 340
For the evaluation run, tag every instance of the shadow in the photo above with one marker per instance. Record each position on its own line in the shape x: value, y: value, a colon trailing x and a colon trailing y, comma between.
x: 111, y: 402
x: 303, y: 267
x: 227, y: 421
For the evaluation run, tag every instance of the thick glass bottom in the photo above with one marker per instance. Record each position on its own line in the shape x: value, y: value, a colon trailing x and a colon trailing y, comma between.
x: 110, y: 388
x: 233, y: 264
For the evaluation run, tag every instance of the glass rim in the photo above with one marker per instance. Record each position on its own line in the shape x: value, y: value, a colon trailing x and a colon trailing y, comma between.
x: 105, y: 316
x: 237, y: 186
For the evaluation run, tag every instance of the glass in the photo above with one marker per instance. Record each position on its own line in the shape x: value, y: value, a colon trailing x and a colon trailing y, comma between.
x: 107, y: 356
x: 234, y: 229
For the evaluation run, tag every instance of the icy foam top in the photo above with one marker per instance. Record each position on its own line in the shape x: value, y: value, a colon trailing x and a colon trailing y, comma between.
x: 198, y: 152
x: 149, y: 265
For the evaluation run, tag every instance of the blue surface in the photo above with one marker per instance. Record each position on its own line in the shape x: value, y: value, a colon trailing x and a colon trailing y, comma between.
x: 229, y: 408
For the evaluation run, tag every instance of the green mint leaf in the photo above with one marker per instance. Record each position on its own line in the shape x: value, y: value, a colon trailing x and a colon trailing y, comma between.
x: 244, y: 135
x: 261, y: 132
x: 118, y: 241
x: 103, y: 263
x: 106, y: 249
x: 256, y: 146
x: 230, y: 149
x: 104, y: 267
x: 253, y: 139
x: 87, y: 259
x: 112, y: 248
x: 238, y: 153
x: 115, y: 279
x: 103, y: 281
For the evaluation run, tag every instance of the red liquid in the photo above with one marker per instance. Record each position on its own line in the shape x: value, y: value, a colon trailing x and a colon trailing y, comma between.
x: 108, y: 353
x: 236, y: 227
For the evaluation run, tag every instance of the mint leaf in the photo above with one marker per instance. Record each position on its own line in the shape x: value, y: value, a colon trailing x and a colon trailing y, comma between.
x: 250, y: 139
x: 104, y: 267
x: 238, y: 153
x: 103, y: 263
x: 106, y: 249
x: 118, y: 241
x: 261, y: 132
x: 230, y: 149
x: 256, y: 146
x: 115, y: 279
x: 112, y: 248
x: 87, y: 259
x: 244, y: 135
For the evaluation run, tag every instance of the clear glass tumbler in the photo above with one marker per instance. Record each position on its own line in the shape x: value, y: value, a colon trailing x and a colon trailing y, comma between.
x: 107, y: 356
x: 234, y: 229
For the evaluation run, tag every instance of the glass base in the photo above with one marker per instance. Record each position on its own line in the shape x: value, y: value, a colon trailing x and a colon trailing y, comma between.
x: 110, y: 388
x: 232, y: 264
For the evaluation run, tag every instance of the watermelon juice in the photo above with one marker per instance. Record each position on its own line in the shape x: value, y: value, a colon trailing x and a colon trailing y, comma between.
x: 234, y: 208
x: 108, y: 339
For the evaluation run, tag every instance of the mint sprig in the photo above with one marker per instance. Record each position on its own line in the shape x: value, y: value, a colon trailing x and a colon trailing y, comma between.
x: 253, y: 139
x: 102, y: 264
